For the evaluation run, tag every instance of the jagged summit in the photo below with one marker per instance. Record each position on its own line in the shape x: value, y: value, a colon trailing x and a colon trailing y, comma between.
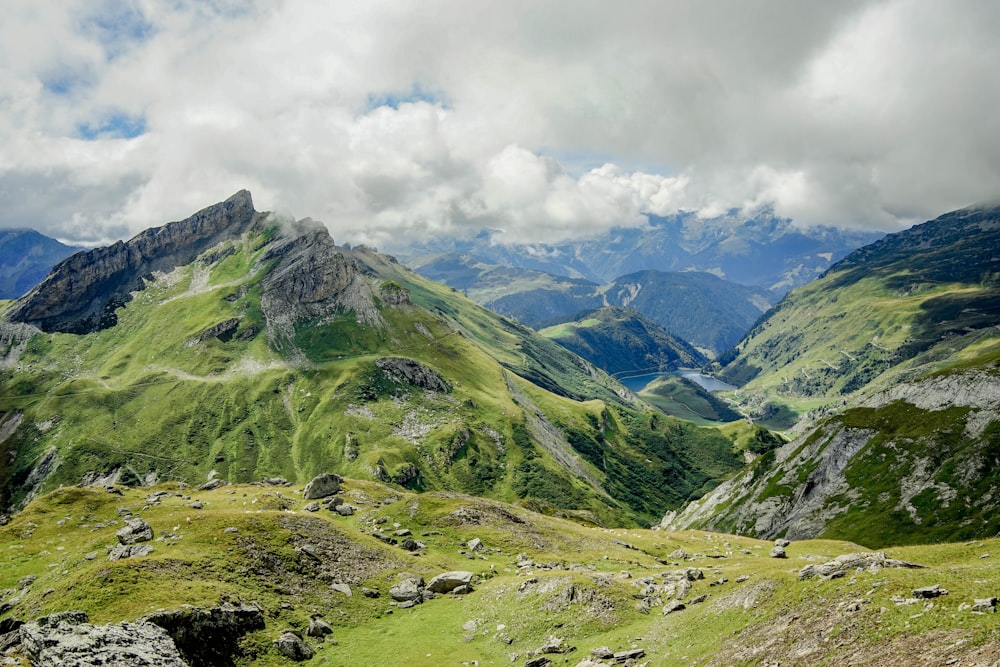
x: 83, y: 291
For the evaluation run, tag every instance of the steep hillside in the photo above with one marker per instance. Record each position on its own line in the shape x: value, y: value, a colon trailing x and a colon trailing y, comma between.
x: 251, y: 574
x: 621, y: 339
x: 243, y: 345
x: 896, y: 353
x: 914, y: 464
x: 914, y: 302
x: 25, y: 258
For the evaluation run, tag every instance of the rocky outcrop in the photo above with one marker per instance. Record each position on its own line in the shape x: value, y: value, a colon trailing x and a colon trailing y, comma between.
x: 68, y: 639
x: 414, y: 373
x: 865, y: 561
x: 322, y: 486
x: 209, y: 637
x: 81, y: 293
x: 937, y: 432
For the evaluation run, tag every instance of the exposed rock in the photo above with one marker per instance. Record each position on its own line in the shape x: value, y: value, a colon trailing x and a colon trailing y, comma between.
x: 322, y: 486
x: 987, y: 605
x: 553, y: 645
x: 209, y: 637
x: 671, y: 607
x: 475, y: 544
x: 311, y: 507
x: 869, y: 561
x: 406, y: 590
x: 212, y: 484
x: 67, y: 639
x: 781, y: 542
x: 342, y: 588
x: 319, y: 628
x: 928, y: 592
x: 538, y: 661
x: 82, y: 292
x: 121, y: 551
x: 135, y: 530
x: 448, y: 581
x: 345, y: 510
x: 778, y: 552
x: 412, y: 372
x: 290, y: 645
x: 631, y: 654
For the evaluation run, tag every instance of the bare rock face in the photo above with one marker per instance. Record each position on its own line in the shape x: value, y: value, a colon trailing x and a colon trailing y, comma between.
x: 68, y: 639
x: 81, y: 293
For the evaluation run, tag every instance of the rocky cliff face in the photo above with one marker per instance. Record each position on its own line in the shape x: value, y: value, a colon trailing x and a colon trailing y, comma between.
x: 82, y: 292
x: 919, y: 460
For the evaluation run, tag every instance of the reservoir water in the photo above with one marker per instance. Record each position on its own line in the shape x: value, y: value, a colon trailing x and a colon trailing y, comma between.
x: 638, y: 382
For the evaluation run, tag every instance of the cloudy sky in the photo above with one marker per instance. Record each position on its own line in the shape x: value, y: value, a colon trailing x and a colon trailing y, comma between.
x: 545, y: 119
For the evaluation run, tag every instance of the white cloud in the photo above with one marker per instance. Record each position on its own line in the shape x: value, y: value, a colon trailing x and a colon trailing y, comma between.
x: 856, y: 113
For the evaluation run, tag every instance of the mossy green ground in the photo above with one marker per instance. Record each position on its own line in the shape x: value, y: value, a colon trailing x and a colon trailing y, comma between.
x: 587, y: 599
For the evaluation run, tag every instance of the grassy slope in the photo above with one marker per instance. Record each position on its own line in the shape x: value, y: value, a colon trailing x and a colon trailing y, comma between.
x: 151, y: 395
x: 900, y: 308
x: 587, y: 600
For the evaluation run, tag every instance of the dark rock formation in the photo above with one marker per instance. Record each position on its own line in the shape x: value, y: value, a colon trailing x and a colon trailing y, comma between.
x: 209, y: 637
x: 82, y: 292
x: 290, y: 645
x: 411, y: 372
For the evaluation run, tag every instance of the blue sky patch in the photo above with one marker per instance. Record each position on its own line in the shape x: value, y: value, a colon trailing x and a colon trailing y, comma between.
x: 416, y: 93
x: 115, y: 126
x: 118, y: 27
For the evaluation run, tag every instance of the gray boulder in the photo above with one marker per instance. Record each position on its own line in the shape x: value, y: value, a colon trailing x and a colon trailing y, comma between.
x: 322, y: 486
x: 68, y: 639
x: 778, y: 552
x: 290, y: 645
x: 406, y: 590
x: 448, y: 581
x: 135, y: 530
x: 855, y: 562
x: 319, y: 628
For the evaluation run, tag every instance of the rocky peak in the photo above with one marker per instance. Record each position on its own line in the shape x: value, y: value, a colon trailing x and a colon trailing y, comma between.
x: 82, y: 292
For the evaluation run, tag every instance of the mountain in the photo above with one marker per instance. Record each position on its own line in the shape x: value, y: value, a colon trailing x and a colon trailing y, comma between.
x: 761, y: 250
x: 250, y: 575
x: 707, y: 311
x: 241, y: 345
x: 25, y: 258
x: 620, y: 339
x: 900, y: 308
x: 896, y: 353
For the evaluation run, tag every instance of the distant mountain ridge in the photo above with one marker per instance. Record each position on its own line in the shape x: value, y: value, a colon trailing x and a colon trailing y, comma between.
x: 761, y: 250
x: 700, y: 308
x: 26, y: 257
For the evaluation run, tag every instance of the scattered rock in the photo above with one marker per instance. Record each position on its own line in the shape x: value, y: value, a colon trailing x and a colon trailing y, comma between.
x: 928, y: 592
x: 342, y: 588
x: 135, y: 530
x: 475, y: 544
x: 781, y: 542
x: 632, y: 654
x: 406, y: 590
x: 540, y: 661
x: 553, y: 645
x: 311, y: 507
x: 778, y: 552
x: 121, y: 551
x: 370, y: 593
x: 290, y: 645
x: 602, y: 653
x: 231, y: 529
x: 275, y: 481
x: 870, y: 561
x: 212, y: 484
x: 987, y: 605
x: 448, y: 581
x: 319, y: 628
x: 197, y: 505
x: 322, y: 486
x: 345, y: 510
x: 671, y: 607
